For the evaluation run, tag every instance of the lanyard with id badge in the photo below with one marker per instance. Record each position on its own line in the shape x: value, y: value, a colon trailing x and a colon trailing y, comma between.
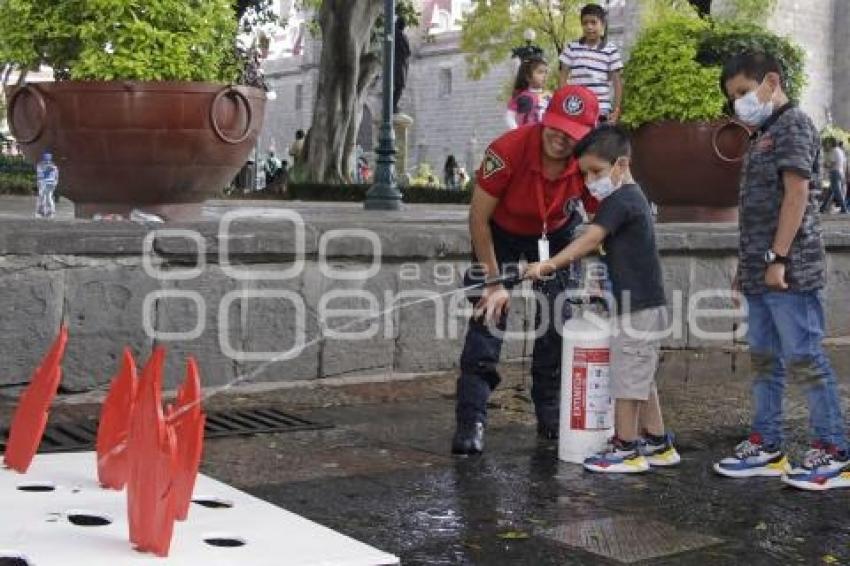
x: 543, y: 251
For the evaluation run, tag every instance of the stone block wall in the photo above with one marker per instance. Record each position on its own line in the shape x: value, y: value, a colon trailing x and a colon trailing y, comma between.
x: 94, y: 277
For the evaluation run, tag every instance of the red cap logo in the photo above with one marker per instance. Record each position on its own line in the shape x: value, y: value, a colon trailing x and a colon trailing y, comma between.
x: 574, y: 110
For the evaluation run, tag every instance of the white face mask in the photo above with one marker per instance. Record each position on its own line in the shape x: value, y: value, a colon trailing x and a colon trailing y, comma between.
x: 601, y: 188
x: 751, y: 110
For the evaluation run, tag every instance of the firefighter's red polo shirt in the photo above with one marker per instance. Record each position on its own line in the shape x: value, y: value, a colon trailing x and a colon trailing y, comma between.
x: 512, y: 170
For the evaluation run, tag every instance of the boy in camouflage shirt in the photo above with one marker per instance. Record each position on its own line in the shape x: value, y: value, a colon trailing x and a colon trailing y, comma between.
x: 781, y: 274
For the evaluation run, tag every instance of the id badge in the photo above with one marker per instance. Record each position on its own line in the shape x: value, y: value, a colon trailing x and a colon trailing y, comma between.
x: 543, y: 249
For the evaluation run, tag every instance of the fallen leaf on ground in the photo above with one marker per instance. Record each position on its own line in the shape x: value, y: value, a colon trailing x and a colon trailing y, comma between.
x: 514, y: 535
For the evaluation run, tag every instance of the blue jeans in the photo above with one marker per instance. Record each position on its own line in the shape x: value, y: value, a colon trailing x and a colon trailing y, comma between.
x: 785, y: 335
x: 835, y: 193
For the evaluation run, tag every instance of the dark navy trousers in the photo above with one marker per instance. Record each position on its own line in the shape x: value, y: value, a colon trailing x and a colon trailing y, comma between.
x: 482, y: 348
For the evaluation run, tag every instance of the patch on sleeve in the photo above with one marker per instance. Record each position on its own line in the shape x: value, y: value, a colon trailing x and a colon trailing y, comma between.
x: 492, y: 164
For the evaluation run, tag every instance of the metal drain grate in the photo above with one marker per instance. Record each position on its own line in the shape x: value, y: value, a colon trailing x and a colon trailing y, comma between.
x: 76, y: 437
x: 628, y: 539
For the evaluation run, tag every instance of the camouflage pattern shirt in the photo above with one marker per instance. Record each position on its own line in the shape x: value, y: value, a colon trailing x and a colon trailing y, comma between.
x: 791, y: 143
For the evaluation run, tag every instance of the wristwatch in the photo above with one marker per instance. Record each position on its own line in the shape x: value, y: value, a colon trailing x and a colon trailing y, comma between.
x: 771, y: 256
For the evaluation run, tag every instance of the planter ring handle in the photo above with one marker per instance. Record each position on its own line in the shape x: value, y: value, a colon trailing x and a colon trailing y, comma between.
x: 716, y: 135
x: 231, y: 91
x: 42, y: 111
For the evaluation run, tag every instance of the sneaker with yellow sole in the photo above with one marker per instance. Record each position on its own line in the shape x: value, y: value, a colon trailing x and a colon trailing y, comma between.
x: 752, y: 458
x: 659, y: 451
x: 618, y: 458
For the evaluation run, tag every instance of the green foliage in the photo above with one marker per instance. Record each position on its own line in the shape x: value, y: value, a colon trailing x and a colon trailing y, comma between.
x: 656, y: 11
x: 122, y: 39
x: 673, y: 72
x: 326, y: 192
x: 728, y: 38
x: 17, y: 184
x: 17, y: 177
x: 664, y: 81
x: 494, y: 27
x: 404, y: 8
x: 834, y: 132
x: 357, y: 193
x: 749, y: 11
x: 424, y: 176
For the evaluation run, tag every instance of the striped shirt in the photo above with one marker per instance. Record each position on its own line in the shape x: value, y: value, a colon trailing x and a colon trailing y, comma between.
x: 591, y: 67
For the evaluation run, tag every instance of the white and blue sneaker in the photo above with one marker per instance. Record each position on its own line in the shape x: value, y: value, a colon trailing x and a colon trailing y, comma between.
x: 821, y: 469
x: 659, y: 451
x: 618, y: 458
x: 754, y: 459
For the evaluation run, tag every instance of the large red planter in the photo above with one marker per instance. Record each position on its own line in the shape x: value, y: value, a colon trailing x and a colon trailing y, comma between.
x: 122, y: 145
x: 691, y: 170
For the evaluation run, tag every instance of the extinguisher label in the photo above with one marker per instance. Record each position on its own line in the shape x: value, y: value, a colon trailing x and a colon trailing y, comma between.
x: 591, y: 398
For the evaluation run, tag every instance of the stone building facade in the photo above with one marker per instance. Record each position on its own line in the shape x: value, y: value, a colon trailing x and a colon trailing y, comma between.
x: 454, y: 114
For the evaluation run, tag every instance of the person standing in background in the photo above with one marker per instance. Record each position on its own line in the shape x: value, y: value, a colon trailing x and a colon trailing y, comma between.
x: 530, y: 100
x: 594, y: 63
x: 296, y: 150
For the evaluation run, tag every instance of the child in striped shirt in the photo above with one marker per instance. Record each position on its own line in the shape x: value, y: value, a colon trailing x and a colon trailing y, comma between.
x: 594, y: 63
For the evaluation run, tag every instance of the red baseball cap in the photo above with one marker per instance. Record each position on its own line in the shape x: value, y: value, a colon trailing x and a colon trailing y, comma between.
x: 573, y: 110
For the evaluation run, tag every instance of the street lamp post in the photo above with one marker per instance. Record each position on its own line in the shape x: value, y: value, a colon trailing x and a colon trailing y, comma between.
x: 384, y: 194
x: 528, y: 50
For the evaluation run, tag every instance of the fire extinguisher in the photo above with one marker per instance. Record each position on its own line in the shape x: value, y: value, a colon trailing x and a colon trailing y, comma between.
x: 587, y: 409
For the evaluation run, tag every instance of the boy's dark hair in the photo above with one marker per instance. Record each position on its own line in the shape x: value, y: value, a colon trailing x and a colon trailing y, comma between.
x: 523, y: 75
x: 607, y: 142
x: 595, y: 10
x: 299, y: 134
x: 754, y: 65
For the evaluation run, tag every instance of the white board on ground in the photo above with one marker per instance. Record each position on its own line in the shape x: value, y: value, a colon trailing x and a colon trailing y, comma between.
x: 38, y: 523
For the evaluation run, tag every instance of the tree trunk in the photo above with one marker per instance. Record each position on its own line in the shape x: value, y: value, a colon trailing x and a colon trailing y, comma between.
x: 346, y: 69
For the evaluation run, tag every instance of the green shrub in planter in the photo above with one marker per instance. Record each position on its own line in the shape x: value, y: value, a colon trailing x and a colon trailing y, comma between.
x: 674, y: 69
x: 17, y: 183
x: 725, y: 39
x: 150, y: 40
x: 16, y: 164
x: 357, y: 193
x: 435, y: 195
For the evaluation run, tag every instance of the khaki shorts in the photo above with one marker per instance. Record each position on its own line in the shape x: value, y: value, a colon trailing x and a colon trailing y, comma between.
x: 634, y: 353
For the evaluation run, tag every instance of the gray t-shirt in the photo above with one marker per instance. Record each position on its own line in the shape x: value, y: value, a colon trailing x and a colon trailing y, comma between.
x: 789, y: 144
x: 630, y: 251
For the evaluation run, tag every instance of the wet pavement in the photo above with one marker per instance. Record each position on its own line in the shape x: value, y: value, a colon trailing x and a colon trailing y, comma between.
x: 383, y: 475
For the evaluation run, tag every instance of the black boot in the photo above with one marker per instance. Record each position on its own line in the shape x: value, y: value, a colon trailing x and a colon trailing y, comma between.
x: 548, y: 431
x: 468, y: 439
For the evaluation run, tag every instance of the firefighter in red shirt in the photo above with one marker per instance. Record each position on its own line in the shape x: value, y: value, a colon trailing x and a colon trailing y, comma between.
x: 525, y: 206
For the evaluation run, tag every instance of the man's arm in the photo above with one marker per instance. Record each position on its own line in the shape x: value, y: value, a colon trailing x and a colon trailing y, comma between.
x: 564, y: 75
x: 791, y: 214
x: 480, y: 211
x: 617, y: 79
x: 495, y: 300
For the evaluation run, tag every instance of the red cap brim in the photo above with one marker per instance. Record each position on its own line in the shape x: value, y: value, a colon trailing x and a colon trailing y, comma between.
x: 564, y: 124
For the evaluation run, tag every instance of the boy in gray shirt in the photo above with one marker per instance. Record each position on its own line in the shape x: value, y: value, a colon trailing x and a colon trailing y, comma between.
x: 781, y: 273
